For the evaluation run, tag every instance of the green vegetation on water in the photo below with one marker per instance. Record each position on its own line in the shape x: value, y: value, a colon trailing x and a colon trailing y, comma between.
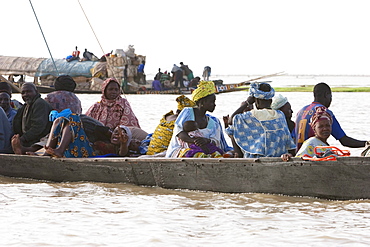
x: 310, y: 89
x: 333, y: 89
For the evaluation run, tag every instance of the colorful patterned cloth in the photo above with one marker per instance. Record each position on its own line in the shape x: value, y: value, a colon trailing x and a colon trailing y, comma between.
x: 183, y: 101
x: 161, y: 136
x: 257, y: 93
x: 204, y: 89
x: 213, y: 131
x: 261, y: 133
x: 80, y: 147
x: 303, y: 129
x: 113, y: 113
x: 61, y: 100
x: 309, y: 145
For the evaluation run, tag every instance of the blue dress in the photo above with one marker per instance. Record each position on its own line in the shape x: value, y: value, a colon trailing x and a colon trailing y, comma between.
x: 80, y: 146
x: 266, y: 136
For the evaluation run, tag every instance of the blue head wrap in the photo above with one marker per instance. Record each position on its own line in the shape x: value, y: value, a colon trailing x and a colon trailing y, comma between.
x: 257, y: 93
x: 55, y: 114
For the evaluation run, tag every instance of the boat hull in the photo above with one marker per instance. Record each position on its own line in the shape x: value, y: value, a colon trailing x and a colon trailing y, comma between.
x: 345, y: 179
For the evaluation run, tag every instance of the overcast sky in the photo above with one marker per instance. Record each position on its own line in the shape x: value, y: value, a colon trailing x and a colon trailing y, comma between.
x: 233, y: 37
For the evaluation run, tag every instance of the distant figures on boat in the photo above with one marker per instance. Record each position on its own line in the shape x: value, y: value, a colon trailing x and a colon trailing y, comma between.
x: 206, y: 73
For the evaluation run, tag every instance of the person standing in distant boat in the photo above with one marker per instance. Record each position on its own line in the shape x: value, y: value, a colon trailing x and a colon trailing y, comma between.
x: 141, y: 73
x: 206, y: 73
x: 178, y: 74
x: 158, y: 75
x: 187, y: 72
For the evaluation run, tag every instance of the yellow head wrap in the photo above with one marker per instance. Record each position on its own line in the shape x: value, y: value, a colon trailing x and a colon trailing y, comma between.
x: 204, y: 89
x: 183, y: 101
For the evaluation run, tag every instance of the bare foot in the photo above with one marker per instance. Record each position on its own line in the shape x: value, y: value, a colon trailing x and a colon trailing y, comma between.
x: 53, y: 152
x: 16, y: 145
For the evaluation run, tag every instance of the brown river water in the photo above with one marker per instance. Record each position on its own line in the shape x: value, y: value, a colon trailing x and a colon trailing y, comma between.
x: 38, y: 213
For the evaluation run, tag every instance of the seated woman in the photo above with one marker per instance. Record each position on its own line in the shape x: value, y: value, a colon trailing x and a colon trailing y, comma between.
x: 113, y: 110
x: 321, y: 122
x: 210, y: 127
x: 209, y: 150
x: 281, y: 103
x: 64, y: 97
x: 163, y: 132
x: 260, y: 132
x: 68, y: 139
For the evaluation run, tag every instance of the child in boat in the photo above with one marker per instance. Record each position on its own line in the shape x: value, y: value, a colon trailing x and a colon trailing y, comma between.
x: 209, y: 150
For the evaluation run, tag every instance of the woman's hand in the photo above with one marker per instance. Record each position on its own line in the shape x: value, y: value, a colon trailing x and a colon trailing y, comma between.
x: 286, y: 157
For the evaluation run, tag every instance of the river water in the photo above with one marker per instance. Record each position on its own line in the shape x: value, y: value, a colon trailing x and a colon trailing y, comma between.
x: 37, y: 213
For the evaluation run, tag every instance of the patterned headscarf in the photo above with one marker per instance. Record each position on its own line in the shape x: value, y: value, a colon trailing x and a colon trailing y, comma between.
x: 255, y: 91
x: 183, y: 101
x: 278, y: 101
x: 104, y: 99
x: 320, y: 114
x: 204, y: 89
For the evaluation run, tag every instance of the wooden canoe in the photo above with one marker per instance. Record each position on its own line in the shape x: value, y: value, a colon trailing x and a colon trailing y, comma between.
x: 345, y: 179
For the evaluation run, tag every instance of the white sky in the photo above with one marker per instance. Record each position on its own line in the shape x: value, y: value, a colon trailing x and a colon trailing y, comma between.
x: 233, y: 37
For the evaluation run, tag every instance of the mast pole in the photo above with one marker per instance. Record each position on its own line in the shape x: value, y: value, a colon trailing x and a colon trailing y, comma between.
x: 44, y: 38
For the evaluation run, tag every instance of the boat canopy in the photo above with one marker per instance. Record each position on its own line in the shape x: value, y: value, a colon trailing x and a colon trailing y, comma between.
x: 44, y: 66
x: 19, y: 65
x: 73, y: 68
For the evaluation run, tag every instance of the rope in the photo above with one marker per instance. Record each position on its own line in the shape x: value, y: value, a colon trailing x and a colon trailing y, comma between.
x: 91, y: 26
x: 52, y: 59
x: 96, y: 37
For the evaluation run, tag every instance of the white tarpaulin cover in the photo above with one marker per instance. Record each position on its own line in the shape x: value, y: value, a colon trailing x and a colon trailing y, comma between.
x: 44, y: 66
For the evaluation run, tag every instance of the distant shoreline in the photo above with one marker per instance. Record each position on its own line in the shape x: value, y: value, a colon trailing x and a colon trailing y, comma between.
x: 310, y: 89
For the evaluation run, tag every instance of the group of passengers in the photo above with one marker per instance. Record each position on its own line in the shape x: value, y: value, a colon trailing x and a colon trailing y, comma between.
x: 260, y: 127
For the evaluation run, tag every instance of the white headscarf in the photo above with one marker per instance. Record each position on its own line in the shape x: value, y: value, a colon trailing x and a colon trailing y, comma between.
x: 278, y: 101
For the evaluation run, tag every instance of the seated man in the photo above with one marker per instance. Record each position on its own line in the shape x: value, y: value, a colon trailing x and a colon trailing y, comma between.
x: 303, y: 130
x: 260, y: 132
x: 31, y: 123
x: 5, y: 104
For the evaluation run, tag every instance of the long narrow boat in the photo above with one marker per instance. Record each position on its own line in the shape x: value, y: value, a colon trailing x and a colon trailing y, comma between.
x: 345, y: 179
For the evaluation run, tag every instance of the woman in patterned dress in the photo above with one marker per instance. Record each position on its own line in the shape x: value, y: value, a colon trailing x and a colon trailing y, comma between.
x: 210, y: 127
x: 260, y: 132
x: 113, y: 110
x: 68, y: 139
